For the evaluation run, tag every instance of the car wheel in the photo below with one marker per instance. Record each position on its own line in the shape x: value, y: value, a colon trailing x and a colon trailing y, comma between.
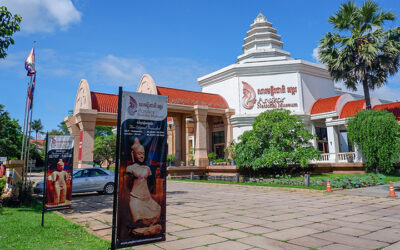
x: 109, y: 188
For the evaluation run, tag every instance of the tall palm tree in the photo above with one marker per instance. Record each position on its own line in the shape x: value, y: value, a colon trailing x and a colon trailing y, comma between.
x: 37, y: 126
x: 361, y: 51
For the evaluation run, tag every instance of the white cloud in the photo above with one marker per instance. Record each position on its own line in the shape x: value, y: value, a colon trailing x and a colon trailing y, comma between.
x: 390, y: 91
x: 44, y: 15
x: 315, y: 54
x: 120, y: 70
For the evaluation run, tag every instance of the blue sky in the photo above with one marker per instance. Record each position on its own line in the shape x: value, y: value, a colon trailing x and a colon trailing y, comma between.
x: 112, y: 43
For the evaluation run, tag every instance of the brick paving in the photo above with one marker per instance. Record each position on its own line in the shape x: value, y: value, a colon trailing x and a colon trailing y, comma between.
x: 213, y: 216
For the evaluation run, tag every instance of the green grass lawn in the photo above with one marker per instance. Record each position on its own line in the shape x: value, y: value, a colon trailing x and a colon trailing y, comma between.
x: 20, y: 228
x: 386, y: 179
x: 314, y: 178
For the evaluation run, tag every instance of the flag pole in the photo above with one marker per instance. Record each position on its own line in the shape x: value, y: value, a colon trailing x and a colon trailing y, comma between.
x: 26, y: 138
x: 23, y: 133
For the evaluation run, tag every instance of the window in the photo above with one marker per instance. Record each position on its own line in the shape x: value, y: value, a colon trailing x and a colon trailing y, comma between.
x: 97, y: 172
x: 82, y: 173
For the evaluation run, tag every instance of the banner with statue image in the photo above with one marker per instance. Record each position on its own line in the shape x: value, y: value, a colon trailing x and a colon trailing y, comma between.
x: 141, y: 212
x: 58, y: 176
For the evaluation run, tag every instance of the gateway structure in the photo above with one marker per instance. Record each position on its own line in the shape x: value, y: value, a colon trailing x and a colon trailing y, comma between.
x: 264, y: 77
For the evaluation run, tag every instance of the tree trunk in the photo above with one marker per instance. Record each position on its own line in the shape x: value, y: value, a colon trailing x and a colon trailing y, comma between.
x: 366, y: 95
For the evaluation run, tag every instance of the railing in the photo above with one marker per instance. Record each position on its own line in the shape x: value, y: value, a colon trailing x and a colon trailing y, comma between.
x: 339, y: 157
x: 346, y: 157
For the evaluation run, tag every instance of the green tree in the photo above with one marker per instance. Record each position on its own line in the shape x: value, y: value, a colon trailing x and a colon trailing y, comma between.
x: 37, y: 126
x: 55, y: 132
x: 377, y: 134
x: 9, y: 24
x: 276, y: 140
x: 361, y: 51
x: 62, y: 128
x: 103, y: 131
x: 104, y: 150
x: 10, y: 135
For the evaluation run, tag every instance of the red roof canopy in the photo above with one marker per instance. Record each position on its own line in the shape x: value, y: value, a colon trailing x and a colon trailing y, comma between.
x: 351, y: 108
x: 104, y: 102
x: 186, y: 97
x: 324, y: 105
x: 393, y: 107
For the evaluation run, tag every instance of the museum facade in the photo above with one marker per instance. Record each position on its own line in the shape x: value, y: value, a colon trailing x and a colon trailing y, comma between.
x: 264, y: 77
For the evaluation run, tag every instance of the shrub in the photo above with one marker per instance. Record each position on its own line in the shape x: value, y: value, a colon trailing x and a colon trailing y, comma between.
x: 377, y: 134
x: 212, y: 156
x: 2, y: 185
x: 278, y: 139
x: 170, y: 158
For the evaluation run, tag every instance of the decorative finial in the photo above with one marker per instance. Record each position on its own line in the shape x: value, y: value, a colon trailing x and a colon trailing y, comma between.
x: 260, y: 18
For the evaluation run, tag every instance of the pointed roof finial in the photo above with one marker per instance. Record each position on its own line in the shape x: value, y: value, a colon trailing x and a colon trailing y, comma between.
x: 260, y: 18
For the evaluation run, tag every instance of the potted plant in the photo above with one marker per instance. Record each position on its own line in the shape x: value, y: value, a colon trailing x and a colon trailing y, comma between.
x: 191, y: 161
x: 349, y: 157
x: 231, y: 151
x: 170, y: 159
x: 182, y: 163
x: 211, y: 157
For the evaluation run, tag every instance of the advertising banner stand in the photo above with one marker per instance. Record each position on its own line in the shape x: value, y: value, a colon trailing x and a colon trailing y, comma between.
x: 139, y: 215
x: 57, y: 186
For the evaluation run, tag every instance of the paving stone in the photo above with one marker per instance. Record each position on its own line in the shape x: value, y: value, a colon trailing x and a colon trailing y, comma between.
x: 147, y: 247
x: 311, y: 242
x: 339, y: 246
x: 287, y: 224
x: 350, y: 240
x: 395, y: 246
x: 231, y: 245
x: 190, y: 223
x: 291, y: 233
x: 191, y: 242
x: 175, y: 228
x: 321, y: 226
x: 270, y: 244
x: 361, y: 226
x: 232, y: 234
x: 257, y: 230
x: 350, y: 231
x: 236, y: 225
x: 199, y: 231
x: 386, y: 235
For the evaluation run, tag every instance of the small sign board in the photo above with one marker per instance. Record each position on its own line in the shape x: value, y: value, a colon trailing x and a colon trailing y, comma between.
x: 58, y: 175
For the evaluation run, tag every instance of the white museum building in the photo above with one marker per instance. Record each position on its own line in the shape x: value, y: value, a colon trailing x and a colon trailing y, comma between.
x: 264, y: 77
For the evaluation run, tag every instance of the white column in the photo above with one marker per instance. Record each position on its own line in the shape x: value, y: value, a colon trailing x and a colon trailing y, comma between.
x: 333, y: 141
x: 200, y: 118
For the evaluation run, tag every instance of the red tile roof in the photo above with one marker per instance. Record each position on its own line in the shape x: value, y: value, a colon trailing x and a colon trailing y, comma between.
x: 104, y: 102
x: 351, y: 108
x: 324, y: 105
x: 186, y: 97
x: 393, y: 107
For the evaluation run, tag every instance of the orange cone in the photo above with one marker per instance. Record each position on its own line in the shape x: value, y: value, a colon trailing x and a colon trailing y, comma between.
x: 328, y: 186
x: 391, y: 190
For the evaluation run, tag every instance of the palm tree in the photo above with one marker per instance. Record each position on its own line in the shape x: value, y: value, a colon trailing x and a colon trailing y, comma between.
x: 37, y: 126
x: 361, y: 51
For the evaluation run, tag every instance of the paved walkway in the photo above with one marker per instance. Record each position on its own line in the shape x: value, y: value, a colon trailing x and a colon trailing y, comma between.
x: 212, y: 216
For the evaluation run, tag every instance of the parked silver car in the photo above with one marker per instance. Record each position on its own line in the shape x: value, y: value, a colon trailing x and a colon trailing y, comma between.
x: 88, y: 180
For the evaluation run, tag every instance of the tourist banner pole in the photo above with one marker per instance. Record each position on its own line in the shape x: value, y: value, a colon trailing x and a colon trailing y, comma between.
x: 116, y: 171
x: 44, y: 179
x: 141, y: 198
x: 59, y: 169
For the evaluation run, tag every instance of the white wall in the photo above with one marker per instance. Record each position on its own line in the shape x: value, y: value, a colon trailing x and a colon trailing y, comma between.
x: 228, y: 89
x: 314, y: 88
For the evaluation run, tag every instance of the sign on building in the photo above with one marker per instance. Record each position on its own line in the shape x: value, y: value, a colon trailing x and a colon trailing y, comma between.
x: 141, y: 200
x: 58, y: 172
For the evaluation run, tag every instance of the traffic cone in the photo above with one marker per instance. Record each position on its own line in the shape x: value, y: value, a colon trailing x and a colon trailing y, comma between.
x: 328, y: 186
x: 391, y: 190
